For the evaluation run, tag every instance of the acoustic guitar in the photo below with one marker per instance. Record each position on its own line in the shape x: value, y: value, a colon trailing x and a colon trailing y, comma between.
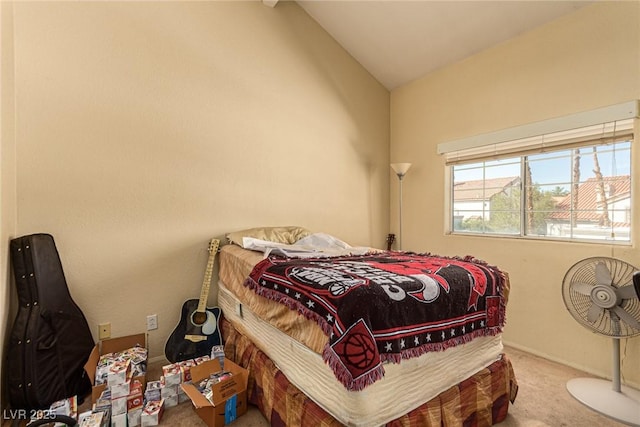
x: 198, y: 330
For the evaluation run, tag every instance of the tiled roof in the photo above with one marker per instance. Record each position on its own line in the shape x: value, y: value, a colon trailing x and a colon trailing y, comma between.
x: 481, y: 189
x: 616, y: 188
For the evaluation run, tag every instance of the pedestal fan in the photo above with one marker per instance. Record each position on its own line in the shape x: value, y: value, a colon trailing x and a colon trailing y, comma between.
x: 603, y: 295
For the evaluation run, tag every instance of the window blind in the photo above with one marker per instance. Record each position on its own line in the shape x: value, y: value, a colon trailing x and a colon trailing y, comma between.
x: 529, y: 139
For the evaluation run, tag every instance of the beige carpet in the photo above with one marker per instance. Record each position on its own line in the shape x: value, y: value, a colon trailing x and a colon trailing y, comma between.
x: 542, y: 401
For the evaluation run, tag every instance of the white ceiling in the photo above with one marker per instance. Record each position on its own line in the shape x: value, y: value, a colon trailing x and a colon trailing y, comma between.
x: 400, y: 41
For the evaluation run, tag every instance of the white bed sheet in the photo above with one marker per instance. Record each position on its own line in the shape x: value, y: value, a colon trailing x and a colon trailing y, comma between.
x: 316, y: 245
x: 404, y: 387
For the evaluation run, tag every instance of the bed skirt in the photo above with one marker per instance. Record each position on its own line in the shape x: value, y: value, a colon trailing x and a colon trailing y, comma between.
x: 480, y: 400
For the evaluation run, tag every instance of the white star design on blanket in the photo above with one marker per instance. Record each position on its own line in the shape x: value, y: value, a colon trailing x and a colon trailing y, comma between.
x: 329, y: 318
x: 416, y: 341
x: 402, y: 343
x: 311, y: 304
x: 428, y: 337
x: 297, y: 295
x: 388, y: 347
x: 453, y: 332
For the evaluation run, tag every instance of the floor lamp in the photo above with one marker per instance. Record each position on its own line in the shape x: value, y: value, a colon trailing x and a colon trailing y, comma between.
x: 400, y: 169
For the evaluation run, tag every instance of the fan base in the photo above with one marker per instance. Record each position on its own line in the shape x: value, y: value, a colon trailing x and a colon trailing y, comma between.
x: 623, y: 406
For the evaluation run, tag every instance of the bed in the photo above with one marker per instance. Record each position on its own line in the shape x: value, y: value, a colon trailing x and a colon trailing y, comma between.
x: 308, y: 369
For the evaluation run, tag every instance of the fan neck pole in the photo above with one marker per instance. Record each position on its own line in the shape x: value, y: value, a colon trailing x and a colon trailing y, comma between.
x: 616, y: 365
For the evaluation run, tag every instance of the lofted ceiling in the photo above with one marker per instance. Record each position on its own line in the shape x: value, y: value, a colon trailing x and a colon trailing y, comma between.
x: 399, y: 41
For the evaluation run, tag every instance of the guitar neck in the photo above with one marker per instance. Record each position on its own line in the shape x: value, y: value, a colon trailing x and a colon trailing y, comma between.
x: 206, y: 283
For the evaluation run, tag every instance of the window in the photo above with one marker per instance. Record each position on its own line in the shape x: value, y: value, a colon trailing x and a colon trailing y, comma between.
x: 568, y: 185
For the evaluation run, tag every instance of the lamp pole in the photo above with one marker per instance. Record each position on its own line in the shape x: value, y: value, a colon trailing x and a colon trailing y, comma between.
x: 400, y: 170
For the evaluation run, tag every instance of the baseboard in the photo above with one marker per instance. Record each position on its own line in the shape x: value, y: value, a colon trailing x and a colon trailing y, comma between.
x: 570, y: 364
x: 158, y: 359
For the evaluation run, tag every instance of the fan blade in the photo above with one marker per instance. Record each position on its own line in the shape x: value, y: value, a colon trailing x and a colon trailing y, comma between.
x: 594, y: 313
x: 603, y: 276
x: 582, y: 288
x: 627, y: 292
x: 626, y: 317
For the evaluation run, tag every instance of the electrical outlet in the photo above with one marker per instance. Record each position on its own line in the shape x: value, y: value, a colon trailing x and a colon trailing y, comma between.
x: 152, y: 322
x: 104, y: 331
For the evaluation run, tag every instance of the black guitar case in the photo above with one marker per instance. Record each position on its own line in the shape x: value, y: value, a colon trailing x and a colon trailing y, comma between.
x: 51, y: 340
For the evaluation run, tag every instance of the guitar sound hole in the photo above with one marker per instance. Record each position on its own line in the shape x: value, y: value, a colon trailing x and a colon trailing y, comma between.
x: 199, y: 318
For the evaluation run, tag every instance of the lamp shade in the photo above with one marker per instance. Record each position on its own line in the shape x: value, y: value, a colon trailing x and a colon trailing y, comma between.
x: 400, y: 168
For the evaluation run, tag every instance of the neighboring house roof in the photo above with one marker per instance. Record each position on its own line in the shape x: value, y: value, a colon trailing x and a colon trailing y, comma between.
x: 616, y: 188
x: 478, y: 190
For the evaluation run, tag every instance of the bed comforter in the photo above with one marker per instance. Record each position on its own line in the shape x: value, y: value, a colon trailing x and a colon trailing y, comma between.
x: 385, y: 307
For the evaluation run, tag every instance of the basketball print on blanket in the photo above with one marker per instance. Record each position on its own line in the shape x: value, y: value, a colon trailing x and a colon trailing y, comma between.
x: 357, y: 348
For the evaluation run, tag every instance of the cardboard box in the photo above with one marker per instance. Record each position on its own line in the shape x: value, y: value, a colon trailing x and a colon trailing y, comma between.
x: 229, y: 396
x: 111, y: 346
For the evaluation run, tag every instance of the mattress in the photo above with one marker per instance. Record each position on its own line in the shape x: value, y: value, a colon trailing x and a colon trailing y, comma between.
x: 295, y: 346
x: 481, y: 400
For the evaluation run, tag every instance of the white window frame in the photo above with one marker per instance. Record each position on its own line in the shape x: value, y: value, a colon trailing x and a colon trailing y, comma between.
x: 557, y: 133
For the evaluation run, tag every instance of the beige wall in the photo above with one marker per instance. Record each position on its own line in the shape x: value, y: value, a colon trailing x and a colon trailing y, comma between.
x: 8, y: 200
x: 144, y: 129
x: 135, y: 132
x: 583, y: 61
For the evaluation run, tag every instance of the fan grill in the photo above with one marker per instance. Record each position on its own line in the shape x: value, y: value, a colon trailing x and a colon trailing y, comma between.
x: 578, y: 304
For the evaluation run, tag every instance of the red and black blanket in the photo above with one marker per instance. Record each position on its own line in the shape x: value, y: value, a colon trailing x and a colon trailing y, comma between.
x: 386, y: 306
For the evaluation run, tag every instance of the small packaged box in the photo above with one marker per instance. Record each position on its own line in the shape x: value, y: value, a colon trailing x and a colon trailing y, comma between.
x: 118, y: 406
x: 119, y: 420
x: 217, y: 352
x: 170, y: 401
x: 68, y: 407
x: 169, y: 391
x: 118, y: 372
x: 133, y: 417
x: 185, y: 370
x: 134, y: 402
x: 152, y: 413
x: 172, y: 374
x: 201, y: 359
x: 136, y: 386
x: 83, y: 415
x: 182, y: 396
x: 120, y: 390
x: 106, y: 414
x: 153, y: 391
x: 93, y: 420
x: 105, y: 395
x: 135, y: 399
